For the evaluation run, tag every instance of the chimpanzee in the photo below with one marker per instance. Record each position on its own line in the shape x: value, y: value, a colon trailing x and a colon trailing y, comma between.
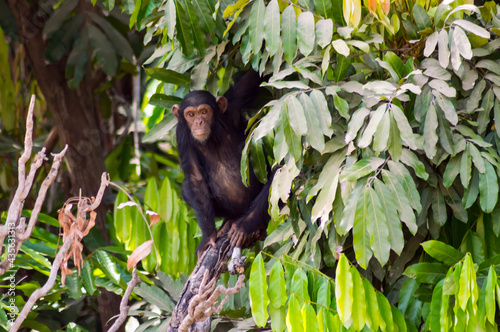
x: 210, y: 139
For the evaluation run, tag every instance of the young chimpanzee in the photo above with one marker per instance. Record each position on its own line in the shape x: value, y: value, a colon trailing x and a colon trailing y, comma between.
x: 210, y: 139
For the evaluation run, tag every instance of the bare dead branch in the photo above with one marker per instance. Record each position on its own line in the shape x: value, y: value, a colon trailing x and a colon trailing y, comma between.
x: 45, y: 289
x: 124, y: 303
x: 15, y: 226
x: 198, y: 298
x: 74, y: 229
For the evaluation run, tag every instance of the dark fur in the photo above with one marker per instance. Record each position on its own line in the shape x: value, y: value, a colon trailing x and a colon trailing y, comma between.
x: 213, y: 185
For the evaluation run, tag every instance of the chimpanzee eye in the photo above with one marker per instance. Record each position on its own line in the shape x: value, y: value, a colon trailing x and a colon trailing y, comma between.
x: 204, y: 112
x: 190, y: 114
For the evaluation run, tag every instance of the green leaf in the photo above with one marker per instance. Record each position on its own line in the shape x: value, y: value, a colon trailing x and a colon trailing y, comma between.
x: 256, y: 27
x: 396, y: 64
x: 443, y: 252
x: 342, y: 106
x: 293, y: 141
x: 272, y: 27
x: 323, y: 8
x: 289, y: 33
x: 430, y: 44
x: 359, y: 315
x: 474, y: 28
x: 401, y: 199
x: 170, y: 17
x: 427, y: 273
x: 294, y: 319
x: 347, y: 221
x: 447, y: 107
x: 361, y: 168
x: 451, y: 171
x: 314, y: 136
x: 377, y: 225
x: 277, y: 286
x: 108, y: 266
x: 204, y: 8
x: 327, y: 182
x: 404, y: 127
x: 168, y: 76
x: 341, y: 68
x: 434, y: 318
x: 155, y: 296
x: 385, y: 311
x: 161, y: 100
x: 488, y: 189
x: 389, y: 210
x: 305, y: 33
x: 439, y: 208
x: 258, y: 159
x: 310, y: 319
x: 161, y: 129
x: 57, y: 19
x: 477, y: 158
x: 490, y: 65
x: 278, y: 318
x: 373, y: 319
x: 122, y: 219
x: 258, y: 292
x: 355, y: 124
x: 395, y: 142
x: 88, y: 278
x: 184, y: 32
x: 120, y: 43
x: 430, y: 134
x: 381, y: 137
x: 361, y: 237
x: 324, y: 32
x: 194, y: 22
x: 324, y: 293
x: 344, y: 291
x: 422, y: 20
x: 78, y: 59
x: 443, y: 49
x: 460, y: 39
x: 74, y: 286
x: 491, y: 284
x: 321, y: 107
x: 410, y: 159
x: 299, y: 286
x: 484, y: 117
x: 296, y: 115
x: 104, y: 51
x: 472, y: 192
x: 454, y: 201
x: 466, y: 167
x: 405, y: 178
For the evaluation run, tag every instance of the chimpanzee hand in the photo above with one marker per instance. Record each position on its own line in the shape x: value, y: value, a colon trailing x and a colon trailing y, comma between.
x: 205, y: 242
x: 241, y: 236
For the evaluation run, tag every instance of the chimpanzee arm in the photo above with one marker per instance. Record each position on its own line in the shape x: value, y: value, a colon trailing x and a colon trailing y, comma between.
x: 252, y: 226
x: 196, y: 193
x: 243, y: 95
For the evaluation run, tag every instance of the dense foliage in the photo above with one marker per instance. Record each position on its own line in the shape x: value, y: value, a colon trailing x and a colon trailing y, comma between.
x: 385, y: 120
x: 384, y: 123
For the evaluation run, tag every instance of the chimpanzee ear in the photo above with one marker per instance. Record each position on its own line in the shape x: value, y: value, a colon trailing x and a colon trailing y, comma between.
x: 222, y: 103
x: 175, y: 110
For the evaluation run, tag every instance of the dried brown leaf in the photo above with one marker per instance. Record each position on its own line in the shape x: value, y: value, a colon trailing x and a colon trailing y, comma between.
x: 139, y: 253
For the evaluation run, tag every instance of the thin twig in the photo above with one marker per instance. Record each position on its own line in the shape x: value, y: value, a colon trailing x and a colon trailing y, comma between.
x: 124, y: 303
x: 45, y: 289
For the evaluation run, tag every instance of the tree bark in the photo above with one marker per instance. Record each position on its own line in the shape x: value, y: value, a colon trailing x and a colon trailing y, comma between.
x: 213, y: 260
x: 76, y: 119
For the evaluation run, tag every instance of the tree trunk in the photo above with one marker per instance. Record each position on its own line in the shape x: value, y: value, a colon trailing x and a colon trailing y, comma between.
x: 76, y: 119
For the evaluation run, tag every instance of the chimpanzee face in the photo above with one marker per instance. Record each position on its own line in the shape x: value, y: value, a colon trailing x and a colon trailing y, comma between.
x: 200, y: 117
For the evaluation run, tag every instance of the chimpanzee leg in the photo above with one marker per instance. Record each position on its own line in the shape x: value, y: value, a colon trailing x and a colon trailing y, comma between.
x: 252, y: 226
